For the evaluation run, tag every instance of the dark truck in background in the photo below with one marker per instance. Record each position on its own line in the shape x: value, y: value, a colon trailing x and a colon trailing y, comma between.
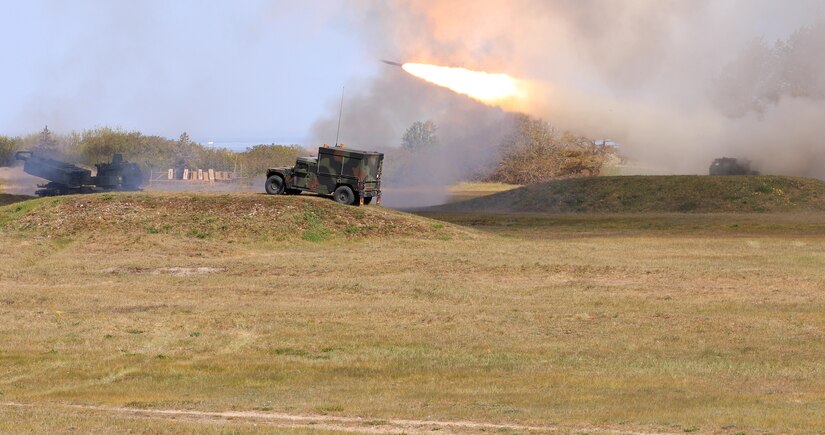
x: 68, y: 179
x: 731, y: 166
x: 352, y: 177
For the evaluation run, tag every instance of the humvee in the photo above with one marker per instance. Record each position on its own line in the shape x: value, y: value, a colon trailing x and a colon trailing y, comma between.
x: 352, y: 177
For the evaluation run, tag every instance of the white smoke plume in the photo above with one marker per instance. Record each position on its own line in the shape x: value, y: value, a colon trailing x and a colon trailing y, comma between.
x: 643, y: 73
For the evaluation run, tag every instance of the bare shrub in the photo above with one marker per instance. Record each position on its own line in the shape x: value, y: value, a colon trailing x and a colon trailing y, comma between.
x: 536, y: 152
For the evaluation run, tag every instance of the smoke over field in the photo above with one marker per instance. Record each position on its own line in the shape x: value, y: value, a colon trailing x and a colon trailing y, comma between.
x: 14, y: 181
x: 660, y: 78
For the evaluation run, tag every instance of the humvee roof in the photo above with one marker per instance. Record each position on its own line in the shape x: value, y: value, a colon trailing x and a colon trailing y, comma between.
x: 347, y: 152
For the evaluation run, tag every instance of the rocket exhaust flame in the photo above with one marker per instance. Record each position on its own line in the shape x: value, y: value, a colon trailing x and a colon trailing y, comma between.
x: 489, y: 88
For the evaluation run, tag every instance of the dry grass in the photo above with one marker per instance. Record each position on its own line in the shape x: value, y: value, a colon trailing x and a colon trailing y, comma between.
x: 7, y: 198
x: 589, y: 323
x: 470, y: 190
x: 237, y: 217
x: 45, y: 418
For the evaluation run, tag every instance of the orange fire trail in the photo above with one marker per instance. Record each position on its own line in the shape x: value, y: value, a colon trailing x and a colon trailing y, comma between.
x: 490, y: 88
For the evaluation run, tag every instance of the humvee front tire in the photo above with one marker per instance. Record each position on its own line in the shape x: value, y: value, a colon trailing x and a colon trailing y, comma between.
x: 367, y: 200
x: 274, y: 185
x: 344, y: 195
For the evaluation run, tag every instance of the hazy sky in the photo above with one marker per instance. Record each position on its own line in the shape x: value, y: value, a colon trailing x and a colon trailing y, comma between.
x: 266, y: 70
x: 222, y: 70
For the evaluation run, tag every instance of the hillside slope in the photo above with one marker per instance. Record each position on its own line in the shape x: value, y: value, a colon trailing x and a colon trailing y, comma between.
x: 236, y: 216
x: 9, y: 198
x: 666, y: 194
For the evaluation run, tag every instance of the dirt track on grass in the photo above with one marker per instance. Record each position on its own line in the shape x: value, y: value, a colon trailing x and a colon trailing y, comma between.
x: 315, y: 421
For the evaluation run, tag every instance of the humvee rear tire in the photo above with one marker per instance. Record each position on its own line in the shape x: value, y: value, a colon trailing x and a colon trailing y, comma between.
x: 367, y: 200
x: 274, y: 185
x: 344, y: 195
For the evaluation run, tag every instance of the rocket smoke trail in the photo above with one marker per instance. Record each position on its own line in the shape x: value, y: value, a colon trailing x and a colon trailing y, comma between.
x: 673, y: 99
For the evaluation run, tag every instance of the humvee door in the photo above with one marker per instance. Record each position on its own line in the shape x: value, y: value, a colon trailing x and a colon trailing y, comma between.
x: 300, y: 174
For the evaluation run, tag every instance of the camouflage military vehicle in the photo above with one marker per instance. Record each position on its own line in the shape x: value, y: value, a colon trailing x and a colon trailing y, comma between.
x: 731, y: 166
x: 352, y: 177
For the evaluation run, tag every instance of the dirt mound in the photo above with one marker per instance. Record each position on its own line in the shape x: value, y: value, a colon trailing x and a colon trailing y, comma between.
x: 666, y: 194
x: 237, y: 216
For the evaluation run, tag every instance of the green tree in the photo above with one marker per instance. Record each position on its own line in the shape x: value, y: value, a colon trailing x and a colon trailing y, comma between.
x: 46, y: 144
x: 220, y: 159
x: 420, y: 135
x: 763, y: 74
x: 8, y: 146
x: 184, y: 150
x: 99, y: 144
x: 749, y: 82
x: 257, y: 159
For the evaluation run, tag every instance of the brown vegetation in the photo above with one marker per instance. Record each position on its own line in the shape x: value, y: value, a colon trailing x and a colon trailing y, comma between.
x: 537, y: 152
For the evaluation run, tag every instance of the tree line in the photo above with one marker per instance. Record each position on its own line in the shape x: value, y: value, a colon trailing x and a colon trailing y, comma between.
x: 533, y: 152
x: 152, y: 153
x: 765, y: 73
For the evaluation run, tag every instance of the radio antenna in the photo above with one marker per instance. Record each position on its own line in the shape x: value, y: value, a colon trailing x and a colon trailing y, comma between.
x: 340, y: 112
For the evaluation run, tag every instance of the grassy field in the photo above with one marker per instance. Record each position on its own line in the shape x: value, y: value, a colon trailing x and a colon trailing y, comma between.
x: 574, y: 323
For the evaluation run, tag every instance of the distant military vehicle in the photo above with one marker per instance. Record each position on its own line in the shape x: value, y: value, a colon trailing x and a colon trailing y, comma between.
x: 66, y: 178
x: 352, y: 177
x: 731, y: 166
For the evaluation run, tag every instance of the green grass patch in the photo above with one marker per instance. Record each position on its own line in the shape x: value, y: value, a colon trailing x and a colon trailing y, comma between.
x: 316, y: 230
x: 13, y: 212
x: 198, y: 233
x: 288, y: 351
x: 662, y: 194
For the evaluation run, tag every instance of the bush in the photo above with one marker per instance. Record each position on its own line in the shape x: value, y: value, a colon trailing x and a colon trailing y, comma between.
x: 257, y: 159
x: 8, y: 146
x: 536, y: 152
x: 151, y: 152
